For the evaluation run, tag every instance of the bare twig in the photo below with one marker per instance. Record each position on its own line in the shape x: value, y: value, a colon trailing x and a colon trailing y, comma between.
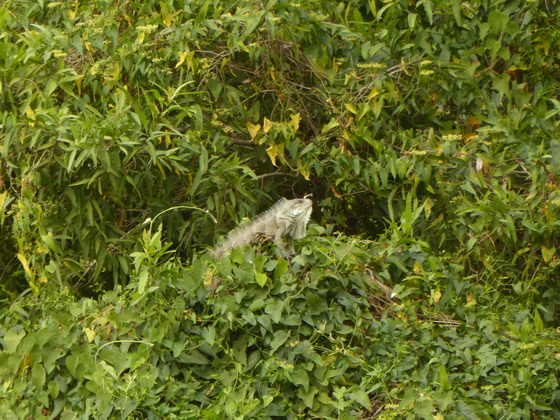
x: 274, y: 174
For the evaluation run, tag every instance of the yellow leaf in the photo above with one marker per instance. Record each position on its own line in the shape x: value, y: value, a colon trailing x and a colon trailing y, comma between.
x: 352, y: 108
x: 417, y: 268
x: 90, y: 334
x: 295, y: 119
x: 208, y: 278
x: 267, y: 125
x: 30, y: 113
x: 437, y: 295
x: 272, y: 153
x: 305, y: 172
x: 374, y: 92
x: 26, y: 267
x: 329, y: 126
x: 26, y: 362
x: 116, y: 73
x: 548, y: 253
x: 182, y: 57
x: 170, y: 17
x: 471, y: 303
x: 253, y: 130
x: 3, y: 197
x: 335, y: 65
x: 373, y: 7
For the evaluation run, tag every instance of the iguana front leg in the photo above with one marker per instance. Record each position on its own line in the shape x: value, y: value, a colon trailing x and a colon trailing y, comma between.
x: 283, y: 226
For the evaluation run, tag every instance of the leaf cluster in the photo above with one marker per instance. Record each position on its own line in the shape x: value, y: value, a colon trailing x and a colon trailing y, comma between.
x: 269, y: 341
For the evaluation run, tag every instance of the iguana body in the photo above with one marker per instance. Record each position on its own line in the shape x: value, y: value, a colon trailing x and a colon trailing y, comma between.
x: 285, y: 218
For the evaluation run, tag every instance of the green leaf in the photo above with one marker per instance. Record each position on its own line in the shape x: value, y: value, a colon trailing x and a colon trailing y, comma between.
x: 249, y: 317
x: 261, y: 279
x: 38, y: 376
x: 265, y: 321
x: 555, y: 152
x: 483, y: 28
x: 253, y: 22
x: 72, y: 363
x: 316, y: 304
x: 108, y: 368
x: 539, y: 325
x: 412, y: 19
x: 194, y: 357
x: 280, y: 338
x: 456, y: 9
x: 12, y: 338
x: 308, y: 397
x: 424, y: 408
x: 428, y: 7
x: 259, y: 262
x: 275, y: 311
x: 121, y: 361
x: 281, y: 268
x: 443, y: 378
x: 209, y: 334
x: 531, y: 226
x: 143, y: 280
x: 498, y: 20
x: 408, y: 399
x: 363, y: 399
x: 300, y: 377
x: 501, y: 84
x: 240, y: 350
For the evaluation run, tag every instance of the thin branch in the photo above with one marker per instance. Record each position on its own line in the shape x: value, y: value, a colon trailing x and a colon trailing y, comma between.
x: 244, y: 142
x: 274, y: 174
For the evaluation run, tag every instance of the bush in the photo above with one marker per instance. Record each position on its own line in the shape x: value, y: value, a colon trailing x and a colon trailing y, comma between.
x: 135, y: 134
x: 270, y: 341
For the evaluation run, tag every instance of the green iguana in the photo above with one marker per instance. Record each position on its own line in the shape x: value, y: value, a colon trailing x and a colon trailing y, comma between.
x: 285, y: 218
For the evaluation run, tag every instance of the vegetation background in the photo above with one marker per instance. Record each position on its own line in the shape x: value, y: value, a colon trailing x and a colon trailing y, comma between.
x: 134, y: 134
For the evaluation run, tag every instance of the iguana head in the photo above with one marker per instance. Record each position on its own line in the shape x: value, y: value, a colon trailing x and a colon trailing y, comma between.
x: 299, y: 214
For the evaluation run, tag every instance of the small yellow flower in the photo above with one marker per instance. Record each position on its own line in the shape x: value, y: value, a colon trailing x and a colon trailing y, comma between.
x: 146, y: 28
x: 375, y: 66
x: 59, y: 53
x: 452, y: 137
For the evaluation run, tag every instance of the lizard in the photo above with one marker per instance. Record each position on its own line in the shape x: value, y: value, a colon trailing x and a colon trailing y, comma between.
x: 285, y: 218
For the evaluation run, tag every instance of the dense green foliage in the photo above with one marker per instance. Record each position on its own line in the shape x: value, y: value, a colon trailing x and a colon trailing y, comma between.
x: 135, y: 133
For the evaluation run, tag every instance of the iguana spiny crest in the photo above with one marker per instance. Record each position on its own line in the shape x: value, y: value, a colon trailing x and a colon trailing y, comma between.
x: 285, y: 218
